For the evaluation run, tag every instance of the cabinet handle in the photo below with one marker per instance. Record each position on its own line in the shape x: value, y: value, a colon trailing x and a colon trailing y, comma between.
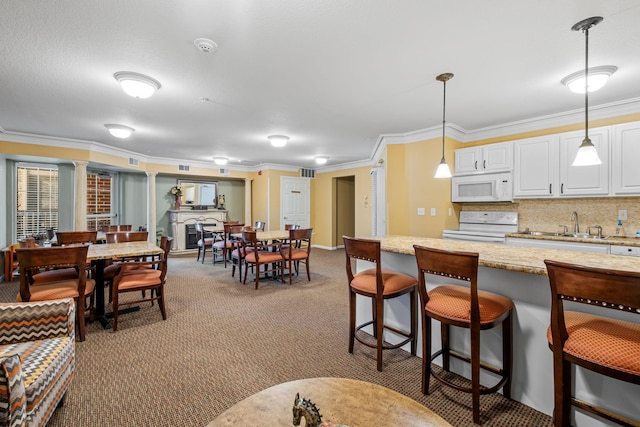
x: 562, y: 188
x: 550, y: 192
x: 475, y: 165
x: 484, y: 164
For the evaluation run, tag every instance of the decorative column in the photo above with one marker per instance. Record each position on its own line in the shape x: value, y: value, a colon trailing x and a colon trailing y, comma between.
x: 151, y: 206
x: 80, y: 205
x: 247, y: 201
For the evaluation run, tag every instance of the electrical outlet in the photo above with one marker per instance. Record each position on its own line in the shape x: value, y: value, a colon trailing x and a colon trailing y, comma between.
x: 421, y: 211
x: 622, y: 214
x: 433, y: 211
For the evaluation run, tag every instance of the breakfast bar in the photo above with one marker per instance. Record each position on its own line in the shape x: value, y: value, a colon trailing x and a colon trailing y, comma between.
x: 520, y: 274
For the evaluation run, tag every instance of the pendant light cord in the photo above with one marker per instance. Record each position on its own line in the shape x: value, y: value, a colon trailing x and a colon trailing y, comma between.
x: 444, y: 104
x: 586, y: 83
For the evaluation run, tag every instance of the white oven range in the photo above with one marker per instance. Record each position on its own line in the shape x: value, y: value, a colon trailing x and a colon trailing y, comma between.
x: 480, y: 226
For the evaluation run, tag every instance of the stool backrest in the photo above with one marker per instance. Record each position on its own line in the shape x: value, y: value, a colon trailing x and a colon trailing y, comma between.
x: 366, y: 250
x: 607, y: 289
x: 456, y: 265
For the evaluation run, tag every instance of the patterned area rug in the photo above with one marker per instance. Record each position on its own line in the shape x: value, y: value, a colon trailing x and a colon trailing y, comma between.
x: 224, y: 341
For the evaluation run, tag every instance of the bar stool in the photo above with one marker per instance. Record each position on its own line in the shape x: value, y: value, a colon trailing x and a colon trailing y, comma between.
x: 465, y: 307
x: 379, y: 285
x: 603, y: 345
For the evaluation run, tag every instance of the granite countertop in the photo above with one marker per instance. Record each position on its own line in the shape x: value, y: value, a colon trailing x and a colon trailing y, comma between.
x: 512, y: 258
x: 609, y: 240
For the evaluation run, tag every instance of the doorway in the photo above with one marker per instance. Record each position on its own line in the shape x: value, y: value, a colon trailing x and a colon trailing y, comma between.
x: 295, y: 203
x: 345, y: 208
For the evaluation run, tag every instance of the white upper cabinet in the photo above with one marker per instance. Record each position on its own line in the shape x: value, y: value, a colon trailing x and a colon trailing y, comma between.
x: 486, y: 158
x: 626, y: 159
x: 535, y: 172
x: 542, y: 166
x: 584, y: 180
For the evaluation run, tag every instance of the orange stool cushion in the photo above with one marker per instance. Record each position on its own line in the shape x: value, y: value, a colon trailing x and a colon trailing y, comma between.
x: 392, y: 281
x: 454, y: 302
x: 265, y: 257
x: 606, y: 342
x: 56, y: 290
x: 139, y: 278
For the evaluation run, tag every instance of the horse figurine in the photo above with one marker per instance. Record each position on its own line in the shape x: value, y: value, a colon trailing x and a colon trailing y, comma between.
x: 307, y: 409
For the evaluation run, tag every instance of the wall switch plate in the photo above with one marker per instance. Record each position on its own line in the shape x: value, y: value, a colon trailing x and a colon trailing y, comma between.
x: 622, y: 214
x: 421, y: 211
x: 433, y: 211
x: 450, y: 211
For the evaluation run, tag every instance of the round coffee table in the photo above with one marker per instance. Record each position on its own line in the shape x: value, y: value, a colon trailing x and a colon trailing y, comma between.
x: 340, y: 400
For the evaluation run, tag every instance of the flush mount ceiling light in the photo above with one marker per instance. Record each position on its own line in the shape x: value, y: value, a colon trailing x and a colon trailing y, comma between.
x: 321, y: 160
x: 220, y: 160
x: 443, y: 170
x: 587, y: 154
x: 278, y: 140
x: 136, y: 84
x: 598, y: 77
x: 119, y: 131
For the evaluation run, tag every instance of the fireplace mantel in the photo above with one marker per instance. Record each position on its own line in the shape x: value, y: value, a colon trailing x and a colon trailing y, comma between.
x: 180, y: 218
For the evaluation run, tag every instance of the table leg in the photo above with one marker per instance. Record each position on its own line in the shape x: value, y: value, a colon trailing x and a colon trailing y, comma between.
x: 99, y: 291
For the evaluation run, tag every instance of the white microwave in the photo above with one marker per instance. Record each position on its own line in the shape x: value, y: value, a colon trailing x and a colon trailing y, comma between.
x: 488, y: 187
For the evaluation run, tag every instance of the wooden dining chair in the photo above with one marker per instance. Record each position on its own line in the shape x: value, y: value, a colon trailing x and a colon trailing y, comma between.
x: 291, y: 226
x: 142, y: 276
x: 379, y: 285
x: 259, y: 254
x: 205, y: 241
x: 111, y: 270
x: 76, y: 237
x: 33, y: 260
x: 237, y: 253
x: 297, y: 249
x: 109, y: 228
x: 593, y: 341
x: 464, y: 307
x: 223, y: 248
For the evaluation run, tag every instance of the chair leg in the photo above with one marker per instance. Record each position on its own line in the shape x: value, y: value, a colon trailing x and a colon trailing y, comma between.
x: 80, y: 318
x: 258, y: 274
x: 306, y: 263
x: 115, y: 311
x: 379, y: 325
x: 561, y: 390
x: 426, y: 352
x: 507, y: 354
x: 444, y: 333
x: 199, y: 251
x: 160, y: 293
x: 414, y: 320
x: 352, y: 319
x: 475, y: 372
x: 246, y: 268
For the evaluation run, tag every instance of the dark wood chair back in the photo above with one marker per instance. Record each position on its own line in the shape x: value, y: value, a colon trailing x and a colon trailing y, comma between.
x: 127, y: 236
x: 604, y: 290
x: 112, y: 228
x: 75, y: 237
x: 291, y: 226
x: 366, y: 250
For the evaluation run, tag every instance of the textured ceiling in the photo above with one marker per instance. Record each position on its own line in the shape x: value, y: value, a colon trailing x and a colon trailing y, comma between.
x: 333, y: 75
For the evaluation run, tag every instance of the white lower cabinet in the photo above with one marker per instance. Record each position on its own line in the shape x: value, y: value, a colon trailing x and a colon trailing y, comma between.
x: 554, y: 244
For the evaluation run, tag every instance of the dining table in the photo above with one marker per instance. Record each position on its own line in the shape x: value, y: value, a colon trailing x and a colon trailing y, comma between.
x: 99, y: 254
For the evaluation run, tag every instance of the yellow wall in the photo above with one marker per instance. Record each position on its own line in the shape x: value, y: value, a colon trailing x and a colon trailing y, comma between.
x: 323, y: 205
x: 411, y: 185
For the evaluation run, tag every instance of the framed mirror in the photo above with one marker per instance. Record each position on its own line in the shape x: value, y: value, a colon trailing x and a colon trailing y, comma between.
x: 199, y: 193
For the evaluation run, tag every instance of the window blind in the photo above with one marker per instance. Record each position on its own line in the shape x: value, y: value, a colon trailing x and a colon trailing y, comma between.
x: 37, y: 199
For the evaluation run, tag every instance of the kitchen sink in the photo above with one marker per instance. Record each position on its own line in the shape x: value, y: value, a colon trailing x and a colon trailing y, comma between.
x: 573, y: 235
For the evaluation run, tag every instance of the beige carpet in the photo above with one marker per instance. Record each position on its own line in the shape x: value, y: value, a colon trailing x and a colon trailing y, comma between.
x: 224, y: 341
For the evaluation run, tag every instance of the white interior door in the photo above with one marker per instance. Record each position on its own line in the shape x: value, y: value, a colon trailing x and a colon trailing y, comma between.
x: 295, y: 205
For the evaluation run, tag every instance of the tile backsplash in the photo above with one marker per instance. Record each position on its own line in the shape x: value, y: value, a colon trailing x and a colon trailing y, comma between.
x: 551, y: 214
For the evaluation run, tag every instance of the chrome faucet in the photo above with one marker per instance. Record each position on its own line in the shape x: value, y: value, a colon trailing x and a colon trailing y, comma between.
x: 574, y: 217
x: 598, y: 229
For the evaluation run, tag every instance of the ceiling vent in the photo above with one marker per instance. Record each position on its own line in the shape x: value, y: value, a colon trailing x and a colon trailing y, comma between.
x: 184, y: 168
x: 224, y: 172
x: 133, y: 162
x: 307, y: 173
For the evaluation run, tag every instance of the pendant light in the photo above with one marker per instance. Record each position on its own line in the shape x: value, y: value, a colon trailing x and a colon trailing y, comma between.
x: 587, y: 154
x: 443, y: 170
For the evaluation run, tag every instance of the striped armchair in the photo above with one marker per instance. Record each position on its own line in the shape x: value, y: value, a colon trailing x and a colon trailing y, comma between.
x: 37, y: 360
